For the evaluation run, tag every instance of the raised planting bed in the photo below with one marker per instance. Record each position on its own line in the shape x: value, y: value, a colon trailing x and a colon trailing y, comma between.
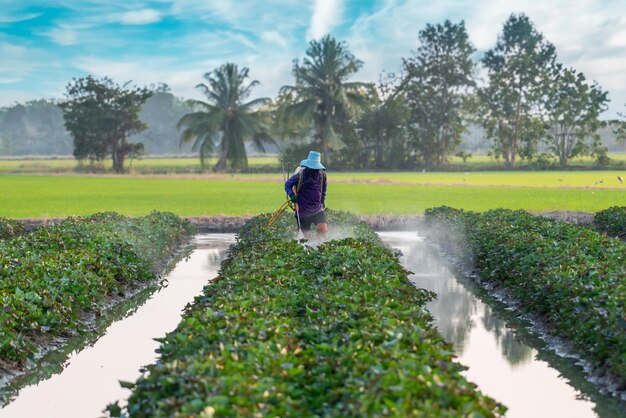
x: 570, y: 277
x: 293, y: 330
x: 612, y: 221
x: 10, y: 228
x: 55, y: 277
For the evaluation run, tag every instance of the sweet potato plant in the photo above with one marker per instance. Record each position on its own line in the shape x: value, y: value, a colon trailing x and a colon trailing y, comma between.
x: 294, y: 330
x: 52, y: 277
x: 612, y: 221
x: 10, y: 228
x: 571, y: 277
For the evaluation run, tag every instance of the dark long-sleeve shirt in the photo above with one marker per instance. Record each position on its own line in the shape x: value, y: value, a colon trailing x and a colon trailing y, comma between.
x: 312, y: 193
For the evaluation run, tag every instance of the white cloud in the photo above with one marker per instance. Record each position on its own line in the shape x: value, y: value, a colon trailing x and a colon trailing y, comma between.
x: 10, y: 80
x: 139, y: 17
x: 63, y: 35
x: 326, y: 15
x: 18, y: 17
x: 274, y: 38
x: 618, y: 39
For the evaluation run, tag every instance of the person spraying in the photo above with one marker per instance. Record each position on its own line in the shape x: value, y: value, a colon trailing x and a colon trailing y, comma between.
x: 307, y: 189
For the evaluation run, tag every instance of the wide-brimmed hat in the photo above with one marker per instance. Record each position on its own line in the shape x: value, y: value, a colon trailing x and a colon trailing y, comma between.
x: 314, y: 161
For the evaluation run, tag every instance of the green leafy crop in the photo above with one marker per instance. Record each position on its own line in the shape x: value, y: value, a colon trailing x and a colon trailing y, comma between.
x: 612, y: 221
x: 294, y: 330
x: 10, y: 228
x: 570, y: 276
x: 53, y: 276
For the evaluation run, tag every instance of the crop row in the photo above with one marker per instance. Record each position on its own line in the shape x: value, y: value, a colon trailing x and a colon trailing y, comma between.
x: 10, y: 228
x: 293, y: 330
x: 51, y: 278
x: 570, y: 276
x: 612, y: 221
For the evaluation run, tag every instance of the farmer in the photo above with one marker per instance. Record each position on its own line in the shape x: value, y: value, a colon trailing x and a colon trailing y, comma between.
x: 307, y: 189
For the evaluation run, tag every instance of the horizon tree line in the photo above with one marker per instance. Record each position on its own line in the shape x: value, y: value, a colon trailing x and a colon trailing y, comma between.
x: 413, y: 119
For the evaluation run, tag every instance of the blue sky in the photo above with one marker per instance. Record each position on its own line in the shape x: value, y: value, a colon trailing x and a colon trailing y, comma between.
x: 44, y: 43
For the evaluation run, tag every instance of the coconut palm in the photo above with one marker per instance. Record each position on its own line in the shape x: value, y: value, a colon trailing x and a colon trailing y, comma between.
x: 223, y: 122
x: 321, y: 93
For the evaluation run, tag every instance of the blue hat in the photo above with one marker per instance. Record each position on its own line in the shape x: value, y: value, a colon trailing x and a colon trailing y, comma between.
x: 314, y: 161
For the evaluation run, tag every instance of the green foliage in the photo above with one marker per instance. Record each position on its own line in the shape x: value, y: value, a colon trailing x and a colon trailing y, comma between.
x: 322, y: 95
x: 437, y: 80
x: 35, y: 127
x: 160, y: 113
x: 572, y: 109
x: 10, y: 228
x: 291, y: 330
x: 52, y: 277
x: 612, y: 221
x: 570, y: 276
x: 619, y: 128
x: 225, y: 121
x: 383, y: 140
x: 101, y: 115
x: 518, y: 69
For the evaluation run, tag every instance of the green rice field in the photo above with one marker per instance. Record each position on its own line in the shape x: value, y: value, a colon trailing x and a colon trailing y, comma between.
x: 160, y: 165
x: 66, y: 164
x: 391, y: 193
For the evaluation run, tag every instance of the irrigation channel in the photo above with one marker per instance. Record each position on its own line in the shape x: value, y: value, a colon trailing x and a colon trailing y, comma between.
x: 503, y: 358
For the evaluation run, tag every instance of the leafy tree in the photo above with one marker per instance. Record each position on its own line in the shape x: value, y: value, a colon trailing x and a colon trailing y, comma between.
x: 160, y: 113
x: 322, y: 95
x: 436, y: 78
x: 44, y: 129
x: 518, y: 70
x: 225, y: 121
x: 572, y: 108
x: 101, y: 115
x: 35, y: 127
x: 619, y: 128
x: 12, y: 128
x: 382, y: 132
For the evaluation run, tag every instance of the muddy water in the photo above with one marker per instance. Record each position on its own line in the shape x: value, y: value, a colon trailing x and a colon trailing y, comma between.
x: 90, y: 379
x: 504, y: 359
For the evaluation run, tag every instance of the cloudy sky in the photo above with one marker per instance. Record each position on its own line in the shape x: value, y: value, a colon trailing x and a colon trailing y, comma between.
x: 45, y: 43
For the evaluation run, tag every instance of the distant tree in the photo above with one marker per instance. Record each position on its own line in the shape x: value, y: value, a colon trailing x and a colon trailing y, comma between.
x: 226, y: 120
x: 383, y: 133
x: 436, y: 80
x: 101, y: 115
x: 34, y: 127
x: 161, y: 113
x: 518, y: 70
x: 619, y: 128
x: 12, y: 130
x: 572, y: 108
x: 322, y: 95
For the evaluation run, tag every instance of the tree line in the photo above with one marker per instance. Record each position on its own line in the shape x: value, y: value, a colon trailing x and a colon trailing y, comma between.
x: 528, y: 104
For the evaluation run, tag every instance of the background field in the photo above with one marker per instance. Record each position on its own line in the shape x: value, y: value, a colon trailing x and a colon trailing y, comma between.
x: 67, y: 165
x: 58, y: 196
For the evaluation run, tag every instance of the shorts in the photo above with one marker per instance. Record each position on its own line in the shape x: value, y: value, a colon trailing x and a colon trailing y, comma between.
x: 318, y: 218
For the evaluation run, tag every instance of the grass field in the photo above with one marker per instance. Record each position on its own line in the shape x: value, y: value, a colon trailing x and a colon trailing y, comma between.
x: 58, y: 196
x: 160, y: 165
x: 44, y: 165
x: 552, y: 179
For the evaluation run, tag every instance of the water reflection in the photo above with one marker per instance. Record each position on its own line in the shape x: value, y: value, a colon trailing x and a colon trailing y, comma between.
x: 89, y: 380
x: 455, y: 310
x: 499, y: 359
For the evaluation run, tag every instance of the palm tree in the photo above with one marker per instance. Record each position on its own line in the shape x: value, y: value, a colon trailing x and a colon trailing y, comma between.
x: 225, y: 121
x: 321, y: 93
